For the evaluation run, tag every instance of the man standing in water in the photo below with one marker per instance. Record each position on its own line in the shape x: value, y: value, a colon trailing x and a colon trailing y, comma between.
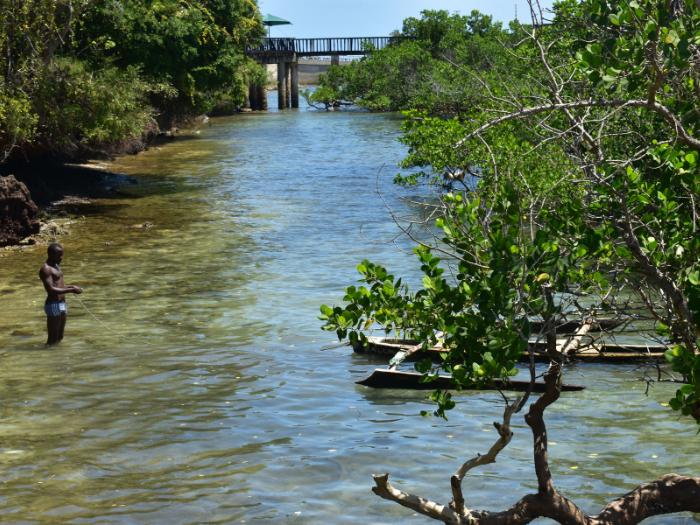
x: 55, y: 306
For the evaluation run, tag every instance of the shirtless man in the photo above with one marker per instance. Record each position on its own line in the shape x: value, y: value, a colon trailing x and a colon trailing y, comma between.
x: 55, y: 306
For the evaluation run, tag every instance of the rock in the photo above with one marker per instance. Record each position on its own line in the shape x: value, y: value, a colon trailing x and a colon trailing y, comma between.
x: 52, y: 230
x: 18, y: 213
x: 72, y: 200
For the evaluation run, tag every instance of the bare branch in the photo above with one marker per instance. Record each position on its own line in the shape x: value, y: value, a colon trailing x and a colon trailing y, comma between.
x: 683, y: 135
x: 671, y: 493
x: 504, y: 436
x: 443, y: 513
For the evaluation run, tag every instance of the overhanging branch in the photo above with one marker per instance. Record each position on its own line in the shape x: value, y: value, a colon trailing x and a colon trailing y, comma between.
x: 682, y: 134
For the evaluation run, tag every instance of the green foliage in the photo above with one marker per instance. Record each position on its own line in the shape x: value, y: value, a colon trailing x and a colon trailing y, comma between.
x: 687, y: 398
x: 330, y: 92
x: 383, y: 81
x: 85, y: 110
x: 647, y: 51
x: 440, y: 32
x: 195, y: 47
x: 579, y: 139
x: 17, y: 120
x: 82, y: 74
x: 502, y: 276
x: 417, y: 73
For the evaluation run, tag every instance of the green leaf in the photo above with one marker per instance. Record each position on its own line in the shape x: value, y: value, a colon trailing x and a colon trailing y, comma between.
x: 686, y: 389
x: 672, y: 38
x: 694, y: 278
x: 662, y: 329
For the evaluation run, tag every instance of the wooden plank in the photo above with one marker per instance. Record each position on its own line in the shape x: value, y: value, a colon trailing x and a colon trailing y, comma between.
x: 611, y: 347
x: 401, y: 355
x: 380, y: 345
x: 617, y: 357
x: 570, y: 346
x: 571, y: 325
x: 384, y: 378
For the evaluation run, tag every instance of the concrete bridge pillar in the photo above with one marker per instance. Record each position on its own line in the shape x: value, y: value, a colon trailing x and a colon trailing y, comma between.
x: 288, y: 86
x: 282, y: 85
x: 257, y: 97
x: 295, y: 84
x: 248, y: 102
x: 335, y: 60
x: 262, y: 97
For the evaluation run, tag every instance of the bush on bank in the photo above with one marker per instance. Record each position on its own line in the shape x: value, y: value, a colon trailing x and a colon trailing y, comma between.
x: 80, y: 76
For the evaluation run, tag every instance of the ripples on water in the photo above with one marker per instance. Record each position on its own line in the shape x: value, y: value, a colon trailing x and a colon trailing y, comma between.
x: 192, y: 387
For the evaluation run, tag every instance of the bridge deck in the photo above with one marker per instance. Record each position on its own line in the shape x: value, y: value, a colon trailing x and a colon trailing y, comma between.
x: 279, y: 48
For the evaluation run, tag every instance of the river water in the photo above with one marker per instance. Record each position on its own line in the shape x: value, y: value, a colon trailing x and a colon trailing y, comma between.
x: 193, y: 387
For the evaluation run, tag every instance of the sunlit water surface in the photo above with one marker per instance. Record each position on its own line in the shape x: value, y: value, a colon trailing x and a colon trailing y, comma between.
x: 193, y: 387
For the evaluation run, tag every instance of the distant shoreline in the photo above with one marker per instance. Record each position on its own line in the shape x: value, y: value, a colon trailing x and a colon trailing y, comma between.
x: 310, y: 71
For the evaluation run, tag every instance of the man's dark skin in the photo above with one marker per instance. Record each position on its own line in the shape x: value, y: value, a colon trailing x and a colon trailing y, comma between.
x: 56, y: 290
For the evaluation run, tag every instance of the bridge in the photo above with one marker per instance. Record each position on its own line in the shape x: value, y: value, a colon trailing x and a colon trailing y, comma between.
x: 286, y: 51
x: 273, y: 48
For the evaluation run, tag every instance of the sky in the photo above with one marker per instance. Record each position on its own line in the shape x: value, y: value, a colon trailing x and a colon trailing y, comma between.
x: 342, y: 18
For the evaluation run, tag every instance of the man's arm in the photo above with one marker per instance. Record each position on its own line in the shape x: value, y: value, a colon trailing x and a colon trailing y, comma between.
x: 45, y: 276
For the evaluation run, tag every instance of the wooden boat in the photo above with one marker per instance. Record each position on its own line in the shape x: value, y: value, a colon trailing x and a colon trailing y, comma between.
x: 389, y: 346
x: 378, y: 345
x: 595, y: 352
x: 386, y: 378
x: 606, y: 352
x: 392, y: 378
x: 607, y: 357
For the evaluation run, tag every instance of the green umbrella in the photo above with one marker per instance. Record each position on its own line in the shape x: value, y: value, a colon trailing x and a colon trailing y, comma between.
x: 272, y: 20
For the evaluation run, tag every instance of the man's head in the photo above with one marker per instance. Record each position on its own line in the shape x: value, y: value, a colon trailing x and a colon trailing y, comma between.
x: 55, y: 252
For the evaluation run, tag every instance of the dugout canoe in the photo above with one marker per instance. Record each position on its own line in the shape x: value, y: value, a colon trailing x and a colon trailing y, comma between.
x: 607, y: 352
x: 385, y: 378
x: 597, y: 352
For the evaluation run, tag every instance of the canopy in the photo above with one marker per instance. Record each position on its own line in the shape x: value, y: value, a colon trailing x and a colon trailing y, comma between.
x: 272, y: 20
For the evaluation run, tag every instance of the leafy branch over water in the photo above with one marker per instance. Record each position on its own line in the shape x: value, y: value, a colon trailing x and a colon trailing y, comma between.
x: 585, y: 133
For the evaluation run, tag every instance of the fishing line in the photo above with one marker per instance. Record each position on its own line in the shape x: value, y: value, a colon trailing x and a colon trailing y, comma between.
x: 102, y: 324
x: 335, y: 346
x: 94, y: 316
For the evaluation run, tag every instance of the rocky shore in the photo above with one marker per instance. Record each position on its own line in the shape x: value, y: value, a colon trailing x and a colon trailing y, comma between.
x: 18, y: 212
x: 31, y: 189
x: 29, y: 198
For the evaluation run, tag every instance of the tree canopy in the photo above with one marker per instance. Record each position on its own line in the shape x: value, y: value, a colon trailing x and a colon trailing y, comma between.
x: 81, y: 75
x: 571, y: 152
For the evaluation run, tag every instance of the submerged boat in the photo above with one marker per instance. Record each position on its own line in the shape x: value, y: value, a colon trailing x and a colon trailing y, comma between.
x: 577, y: 346
x: 593, y: 352
x: 387, y: 378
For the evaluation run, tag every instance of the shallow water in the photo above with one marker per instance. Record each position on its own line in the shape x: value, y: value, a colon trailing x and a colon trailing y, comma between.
x: 193, y: 387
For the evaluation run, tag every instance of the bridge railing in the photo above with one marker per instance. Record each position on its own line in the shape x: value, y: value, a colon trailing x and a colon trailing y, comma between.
x: 323, y: 46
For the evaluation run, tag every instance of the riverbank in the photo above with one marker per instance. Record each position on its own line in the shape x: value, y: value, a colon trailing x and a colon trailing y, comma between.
x: 36, y: 198
x: 37, y: 195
